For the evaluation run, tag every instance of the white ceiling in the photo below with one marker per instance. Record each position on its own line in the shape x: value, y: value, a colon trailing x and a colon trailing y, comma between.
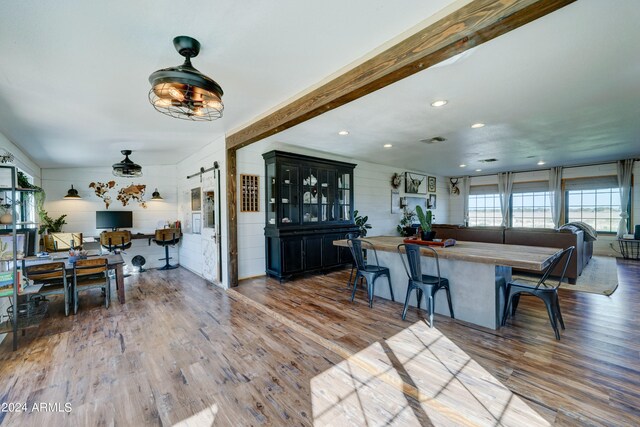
x: 74, y: 75
x: 564, y: 89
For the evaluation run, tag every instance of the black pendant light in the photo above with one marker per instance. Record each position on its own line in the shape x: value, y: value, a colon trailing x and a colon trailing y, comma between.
x: 72, y: 194
x: 126, y: 168
x: 184, y: 92
x: 156, y: 195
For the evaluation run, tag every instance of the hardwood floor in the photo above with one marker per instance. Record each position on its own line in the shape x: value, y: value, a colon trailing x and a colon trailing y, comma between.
x: 181, y: 352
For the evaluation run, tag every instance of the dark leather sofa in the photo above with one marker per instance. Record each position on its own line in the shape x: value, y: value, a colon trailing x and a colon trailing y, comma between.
x: 527, y: 237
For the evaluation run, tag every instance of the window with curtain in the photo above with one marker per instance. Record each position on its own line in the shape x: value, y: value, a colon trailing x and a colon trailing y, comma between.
x: 484, y: 206
x: 595, y: 201
x: 531, y: 209
x: 530, y: 205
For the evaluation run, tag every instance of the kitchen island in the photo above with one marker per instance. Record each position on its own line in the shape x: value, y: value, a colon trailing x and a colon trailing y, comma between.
x: 476, y: 271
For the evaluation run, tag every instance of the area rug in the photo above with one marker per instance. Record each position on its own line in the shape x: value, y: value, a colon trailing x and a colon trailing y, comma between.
x: 600, y: 276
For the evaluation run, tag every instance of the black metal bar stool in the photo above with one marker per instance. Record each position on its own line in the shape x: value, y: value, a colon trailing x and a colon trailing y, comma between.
x: 167, y: 237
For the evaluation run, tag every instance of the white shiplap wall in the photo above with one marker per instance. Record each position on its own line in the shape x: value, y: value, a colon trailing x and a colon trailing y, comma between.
x: 81, y: 213
x: 372, y: 198
x: 603, y: 246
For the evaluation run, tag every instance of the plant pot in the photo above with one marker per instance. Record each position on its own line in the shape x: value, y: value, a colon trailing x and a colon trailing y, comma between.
x: 409, y: 231
x: 6, y: 219
x: 428, y: 235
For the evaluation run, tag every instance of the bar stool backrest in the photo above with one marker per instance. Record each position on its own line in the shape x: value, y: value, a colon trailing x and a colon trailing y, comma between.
x: 115, y: 239
x: 167, y: 235
x: 412, y: 252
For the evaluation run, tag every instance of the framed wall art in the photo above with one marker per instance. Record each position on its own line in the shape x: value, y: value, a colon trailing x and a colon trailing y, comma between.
x: 415, y: 183
x: 432, y: 184
x: 196, y: 203
x: 431, y: 203
x: 250, y: 196
x: 395, y: 201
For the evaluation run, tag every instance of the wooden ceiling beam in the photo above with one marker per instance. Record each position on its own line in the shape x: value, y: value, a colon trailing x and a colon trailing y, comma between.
x: 465, y: 28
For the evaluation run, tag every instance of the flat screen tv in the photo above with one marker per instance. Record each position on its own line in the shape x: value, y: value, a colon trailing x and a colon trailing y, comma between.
x: 114, y: 219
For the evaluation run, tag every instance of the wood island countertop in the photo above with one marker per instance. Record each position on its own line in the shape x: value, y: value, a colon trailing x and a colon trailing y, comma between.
x: 516, y: 256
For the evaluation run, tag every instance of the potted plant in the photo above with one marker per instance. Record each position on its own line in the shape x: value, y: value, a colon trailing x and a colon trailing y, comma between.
x: 425, y: 223
x: 50, y: 225
x: 361, y: 222
x: 404, y: 228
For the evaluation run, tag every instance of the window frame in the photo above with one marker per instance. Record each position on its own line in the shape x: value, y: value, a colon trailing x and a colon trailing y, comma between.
x: 613, y: 232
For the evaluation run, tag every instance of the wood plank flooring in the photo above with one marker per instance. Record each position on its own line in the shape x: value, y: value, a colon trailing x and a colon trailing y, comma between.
x: 182, y: 352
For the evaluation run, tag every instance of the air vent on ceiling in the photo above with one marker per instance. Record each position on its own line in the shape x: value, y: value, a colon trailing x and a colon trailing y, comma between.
x: 433, y: 140
x: 488, y: 160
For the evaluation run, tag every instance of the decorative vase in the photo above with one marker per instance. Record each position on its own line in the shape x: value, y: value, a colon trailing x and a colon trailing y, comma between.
x: 6, y: 218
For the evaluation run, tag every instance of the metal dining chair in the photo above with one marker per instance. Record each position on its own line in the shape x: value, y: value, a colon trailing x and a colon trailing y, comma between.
x: 53, y: 276
x: 546, y: 292
x: 423, y: 284
x: 90, y: 274
x: 369, y: 271
x: 350, y: 236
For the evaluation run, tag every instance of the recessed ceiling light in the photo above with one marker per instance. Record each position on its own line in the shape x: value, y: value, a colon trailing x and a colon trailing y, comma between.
x: 463, y: 166
x: 477, y: 125
x: 343, y: 132
x: 438, y: 103
x: 387, y: 145
x: 541, y: 162
x: 478, y: 170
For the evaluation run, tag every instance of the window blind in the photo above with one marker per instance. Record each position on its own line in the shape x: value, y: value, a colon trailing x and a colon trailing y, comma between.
x: 594, y: 183
x: 484, y: 189
x: 530, y: 187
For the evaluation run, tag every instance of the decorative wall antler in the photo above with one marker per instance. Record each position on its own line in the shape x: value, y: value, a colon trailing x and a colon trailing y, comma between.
x: 454, y: 186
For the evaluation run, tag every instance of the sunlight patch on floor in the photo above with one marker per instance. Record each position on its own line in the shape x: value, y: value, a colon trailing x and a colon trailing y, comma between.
x: 204, y: 418
x: 416, y: 377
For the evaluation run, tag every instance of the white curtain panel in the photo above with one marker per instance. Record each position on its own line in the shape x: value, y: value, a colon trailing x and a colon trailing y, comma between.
x: 555, y: 194
x: 505, y: 187
x: 466, y: 189
x: 625, y: 168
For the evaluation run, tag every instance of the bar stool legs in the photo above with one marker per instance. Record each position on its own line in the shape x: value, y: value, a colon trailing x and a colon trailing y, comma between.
x: 167, y: 266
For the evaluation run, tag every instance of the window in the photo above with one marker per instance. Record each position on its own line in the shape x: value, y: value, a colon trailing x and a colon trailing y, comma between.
x: 600, y: 208
x: 531, y: 209
x: 595, y: 201
x: 484, y: 210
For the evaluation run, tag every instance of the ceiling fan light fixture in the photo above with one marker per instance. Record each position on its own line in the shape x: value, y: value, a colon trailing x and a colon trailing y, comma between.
x: 127, y: 168
x: 183, y: 92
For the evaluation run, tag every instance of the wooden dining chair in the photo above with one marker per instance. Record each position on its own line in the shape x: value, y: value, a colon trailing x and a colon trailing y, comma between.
x: 547, y: 292
x: 54, y: 279
x: 90, y: 274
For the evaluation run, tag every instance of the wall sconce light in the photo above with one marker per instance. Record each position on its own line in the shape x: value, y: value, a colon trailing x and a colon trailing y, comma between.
x: 155, y: 195
x: 72, y: 194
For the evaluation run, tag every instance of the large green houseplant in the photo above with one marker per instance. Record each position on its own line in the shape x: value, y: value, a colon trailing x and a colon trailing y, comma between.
x: 51, y: 225
x: 361, y: 222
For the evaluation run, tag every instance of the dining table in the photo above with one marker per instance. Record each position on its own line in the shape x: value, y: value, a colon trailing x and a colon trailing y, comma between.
x: 114, y: 262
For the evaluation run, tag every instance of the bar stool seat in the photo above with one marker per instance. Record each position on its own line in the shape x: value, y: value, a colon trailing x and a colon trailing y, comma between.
x: 167, y: 237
